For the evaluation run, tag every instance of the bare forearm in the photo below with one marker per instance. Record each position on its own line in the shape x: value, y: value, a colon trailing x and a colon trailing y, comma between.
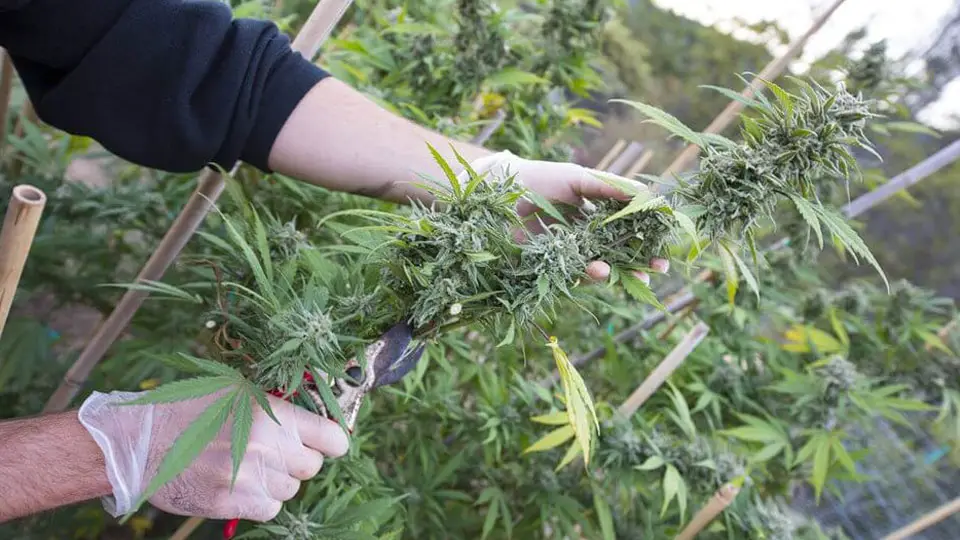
x: 341, y: 140
x: 47, y: 462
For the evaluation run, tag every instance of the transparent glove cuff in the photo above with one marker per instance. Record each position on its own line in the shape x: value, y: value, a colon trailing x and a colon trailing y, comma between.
x: 123, y: 435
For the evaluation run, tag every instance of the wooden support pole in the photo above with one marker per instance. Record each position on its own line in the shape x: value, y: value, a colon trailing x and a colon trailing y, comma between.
x: 491, y: 128
x: 718, y: 503
x: 19, y: 228
x: 943, y: 333
x: 663, y: 371
x: 28, y: 115
x: 770, y: 72
x: 608, y: 158
x: 926, y: 521
x: 641, y: 163
x: 910, y: 177
x: 321, y: 22
x: 6, y: 89
x: 630, y: 154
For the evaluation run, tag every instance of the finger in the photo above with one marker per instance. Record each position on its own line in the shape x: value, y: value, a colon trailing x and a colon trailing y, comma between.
x: 589, y: 186
x: 643, y: 276
x: 660, y: 266
x: 321, y: 434
x: 598, y: 271
x: 260, y: 509
x: 281, y: 487
x: 304, y: 464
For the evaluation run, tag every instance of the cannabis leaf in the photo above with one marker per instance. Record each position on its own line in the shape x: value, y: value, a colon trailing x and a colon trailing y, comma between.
x: 664, y: 120
x: 639, y: 290
x: 583, y: 417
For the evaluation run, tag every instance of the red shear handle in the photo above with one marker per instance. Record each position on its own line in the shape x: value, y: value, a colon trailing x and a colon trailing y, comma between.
x: 230, y: 528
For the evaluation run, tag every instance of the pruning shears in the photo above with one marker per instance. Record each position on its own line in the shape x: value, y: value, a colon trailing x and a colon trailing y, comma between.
x: 387, y: 361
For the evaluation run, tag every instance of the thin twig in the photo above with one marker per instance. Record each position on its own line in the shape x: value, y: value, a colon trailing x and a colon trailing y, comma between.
x: 770, y: 72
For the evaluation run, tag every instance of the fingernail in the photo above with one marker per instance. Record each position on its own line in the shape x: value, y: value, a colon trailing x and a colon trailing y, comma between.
x: 661, y: 265
x: 644, y: 277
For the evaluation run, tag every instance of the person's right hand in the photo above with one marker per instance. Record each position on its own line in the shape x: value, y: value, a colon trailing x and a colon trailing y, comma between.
x: 135, y: 439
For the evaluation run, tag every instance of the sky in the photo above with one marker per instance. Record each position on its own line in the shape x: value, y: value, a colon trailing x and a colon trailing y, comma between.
x: 907, y: 26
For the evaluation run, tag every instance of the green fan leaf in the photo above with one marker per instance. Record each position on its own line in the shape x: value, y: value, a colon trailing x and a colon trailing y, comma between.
x: 639, y: 290
x: 184, y: 389
x: 242, y: 424
x: 809, y: 214
x: 189, y: 445
x: 665, y: 120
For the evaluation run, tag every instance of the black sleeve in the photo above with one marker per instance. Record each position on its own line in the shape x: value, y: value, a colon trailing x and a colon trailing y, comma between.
x: 168, y: 84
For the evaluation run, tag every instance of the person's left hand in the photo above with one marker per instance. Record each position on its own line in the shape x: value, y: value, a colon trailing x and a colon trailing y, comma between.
x: 567, y: 183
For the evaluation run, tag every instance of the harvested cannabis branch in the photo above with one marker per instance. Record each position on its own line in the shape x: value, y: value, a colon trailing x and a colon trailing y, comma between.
x: 770, y: 72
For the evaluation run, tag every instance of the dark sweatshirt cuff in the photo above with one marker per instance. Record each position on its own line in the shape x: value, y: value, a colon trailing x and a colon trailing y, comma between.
x: 293, y: 77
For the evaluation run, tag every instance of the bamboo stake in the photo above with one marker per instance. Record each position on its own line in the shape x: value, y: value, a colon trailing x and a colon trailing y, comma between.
x: 668, y: 331
x: 27, y: 115
x: 19, y: 228
x: 666, y: 367
x: 943, y: 333
x: 317, y: 28
x: 926, y: 520
x: 611, y: 154
x: 630, y: 154
x: 718, y: 503
x: 910, y: 177
x: 640, y: 164
x: 6, y: 88
x: 490, y: 128
x: 187, y: 528
x: 770, y: 72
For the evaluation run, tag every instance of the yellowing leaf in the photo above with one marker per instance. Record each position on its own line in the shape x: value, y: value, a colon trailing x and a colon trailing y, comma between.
x: 800, y: 337
x: 577, y: 116
x: 551, y: 440
x: 149, y: 384
x: 572, y: 453
x: 580, y: 409
x: 558, y: 418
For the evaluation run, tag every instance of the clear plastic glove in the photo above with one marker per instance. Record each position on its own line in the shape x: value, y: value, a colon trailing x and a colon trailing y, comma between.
x: 567, y: 183
x: 135, y: 438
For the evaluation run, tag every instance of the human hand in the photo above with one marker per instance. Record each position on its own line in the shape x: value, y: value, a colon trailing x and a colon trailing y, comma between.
x: 135, y: 439
x: 567, y: 183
